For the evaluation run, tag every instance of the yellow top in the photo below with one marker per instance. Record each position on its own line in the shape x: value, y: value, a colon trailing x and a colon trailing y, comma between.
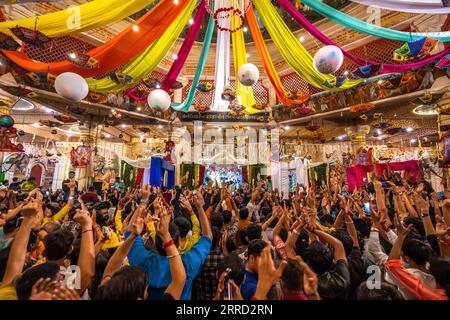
x: 8, y: 293
x: 192, y: 240
x: 58, y: 216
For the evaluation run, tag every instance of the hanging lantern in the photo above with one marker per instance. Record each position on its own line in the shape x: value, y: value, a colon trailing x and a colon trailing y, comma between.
x: 248, y: 74
x: 71, y: 86
x: 159, y: 100
x: 328, y: 59
x: 228, y: 94
x: 367, y: 71
x: 205, y: 87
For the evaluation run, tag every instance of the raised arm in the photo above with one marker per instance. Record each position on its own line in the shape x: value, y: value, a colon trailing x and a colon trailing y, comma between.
x: 204, y: 223
x: 120, y: 254
x: 17, y: 255
x: 86, y: 260
x: 177, y: 270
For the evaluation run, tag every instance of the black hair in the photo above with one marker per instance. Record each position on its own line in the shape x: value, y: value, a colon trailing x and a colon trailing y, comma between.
x: 417, y: 224
x: 283, y: 234
x: 174, y: 233
x: 243, y: 213
x: 184, y: 225
x: 128, y: 283
x: 319, y: 257
x: 253, y: 232
x: 91, y: 189
x: 343, y: 236
x: 273, y: 223
x: 292, y: 276
x: 4, y: 255
x: 387, y: 291
x: 327, y: 219
x: 75, y: 253
x: 12, y: 224
x: 29, y: 277
x: 236, y: 264
x: 230, y: 244
x: 302, y: 243
x: 101, y: 261
x: 227, y: 216
x: 440, y: 269
x: 217, y: 220
x: 217, y: 236
x: 255, y: 247
x: 417, y: 251
x: 58, y: 244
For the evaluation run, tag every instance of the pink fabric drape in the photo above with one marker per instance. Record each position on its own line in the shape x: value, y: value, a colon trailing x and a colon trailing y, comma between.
x: 356, y: 174
x: 386, y: 68
x: 411, y: 167
x: 186, y: 47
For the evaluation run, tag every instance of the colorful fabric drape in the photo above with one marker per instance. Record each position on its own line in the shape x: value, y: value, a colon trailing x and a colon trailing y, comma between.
x: 120, y: 49
x: 244, y: 94
x: 83, y: 17
x: 128, y: 174
x: 147, y: 61
x: 186, y: 47
x: 292, y: 50
x: 222, y: 76
x: 264, y: 56
x: 412, y: 167
x: 422, y: 6
x: 184, y: 107
x: 156, y: 172
x: 386, y: 68
x: 201, y: 176
x: 356, y: 175
x: 139, y: 177
x: 412, y: 284
x: 364, y: 27
x: 319, y: 174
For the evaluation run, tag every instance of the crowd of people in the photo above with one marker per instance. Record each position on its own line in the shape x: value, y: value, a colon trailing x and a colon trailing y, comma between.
x: 386, y: 241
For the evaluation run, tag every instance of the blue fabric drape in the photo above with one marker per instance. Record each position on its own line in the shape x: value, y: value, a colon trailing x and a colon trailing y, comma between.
x: 156, y: 172
x: 170, y: 179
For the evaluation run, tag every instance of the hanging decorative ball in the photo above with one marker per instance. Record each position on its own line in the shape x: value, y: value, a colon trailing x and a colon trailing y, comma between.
x: 20, y: 133
x: 159, y: 100
x: 120, y: 136
x: 144, y: 140
x: 54, y: 131
x: 71, y: 86
x: 248, y: 74
x: 328, y: 59
x: 6, y: 121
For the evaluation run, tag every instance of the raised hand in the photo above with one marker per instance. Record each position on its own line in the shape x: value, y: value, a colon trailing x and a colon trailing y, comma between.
x: 267, y: 274
x: 198, y: 200
x: 162, y: 228
x: 83, y: 218
x: 310, y: 280
x: 401, y: 230
x: 42, y: 289
x: 186, y: 204
x: 64, y: 293
x: 137, y: 226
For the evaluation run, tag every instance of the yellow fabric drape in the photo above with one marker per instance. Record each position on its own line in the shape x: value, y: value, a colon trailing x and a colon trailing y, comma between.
x: 244, y: 94
x: 147, y: 61
x: 267, y: 62
x: 292, y: 50
x: 80, y: 18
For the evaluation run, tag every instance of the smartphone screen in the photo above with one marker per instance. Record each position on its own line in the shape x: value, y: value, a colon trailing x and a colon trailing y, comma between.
x: 367, y: 208
x: 345, y: 194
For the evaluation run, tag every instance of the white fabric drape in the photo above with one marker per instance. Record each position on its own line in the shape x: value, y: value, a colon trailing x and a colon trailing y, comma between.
x: 418, y: 6
x: 222, y: 77
x: 141, y: 163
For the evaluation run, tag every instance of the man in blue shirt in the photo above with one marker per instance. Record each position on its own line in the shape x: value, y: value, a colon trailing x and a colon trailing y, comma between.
x: 156, y: 264
x: 248, y: 287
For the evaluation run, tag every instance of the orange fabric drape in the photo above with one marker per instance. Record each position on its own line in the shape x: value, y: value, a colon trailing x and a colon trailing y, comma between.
x: 267, y: 62
x: 119, y: 50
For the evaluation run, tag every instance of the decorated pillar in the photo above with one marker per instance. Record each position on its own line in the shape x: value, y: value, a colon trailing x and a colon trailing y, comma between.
x: 85, y: 173
x: 357, y: 136
x: 272, y: 94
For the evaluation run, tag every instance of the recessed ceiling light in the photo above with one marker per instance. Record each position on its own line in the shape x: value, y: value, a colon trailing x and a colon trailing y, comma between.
x: 346, y: 73
x: 409, y: 129
x: 124, y: 125
x: 302, y: 39
x: 191, y: 21
x: 245, y: 29
x: 72, y: 55
x: 160, y: 126
x: 135, y: 28
x: 107, y: 135
x: 36, y: 125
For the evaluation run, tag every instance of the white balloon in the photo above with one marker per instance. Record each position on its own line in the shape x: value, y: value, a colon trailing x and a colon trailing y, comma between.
x: 248, y: 74
x: 71, y: 86
x: 159, y: 100
x: 328, y: 59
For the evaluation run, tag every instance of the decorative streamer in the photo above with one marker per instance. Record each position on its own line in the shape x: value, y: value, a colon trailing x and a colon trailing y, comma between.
x: 147, y: 61
x: 364, y: 27
x: 292, y: 50
x: 422, y: 6
x: 184, y: 107
x: 186, y: 47
x: 222, y: 76
x: 244, y: 94
x: 267, y: 62
x: 76, y: 19
x: 120, y: 49
x: 316, y: 33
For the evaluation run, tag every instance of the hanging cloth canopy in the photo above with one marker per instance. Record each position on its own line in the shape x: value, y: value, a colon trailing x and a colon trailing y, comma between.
x: 120, y: 49
x: 292, y: 50
x: 364, y: 27
x: 76, y: 19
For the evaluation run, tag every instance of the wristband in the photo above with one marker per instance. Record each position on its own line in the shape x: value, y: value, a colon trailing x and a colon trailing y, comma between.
x: 174, y: 256
x: 86, y: 231
x: 168, y: 243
